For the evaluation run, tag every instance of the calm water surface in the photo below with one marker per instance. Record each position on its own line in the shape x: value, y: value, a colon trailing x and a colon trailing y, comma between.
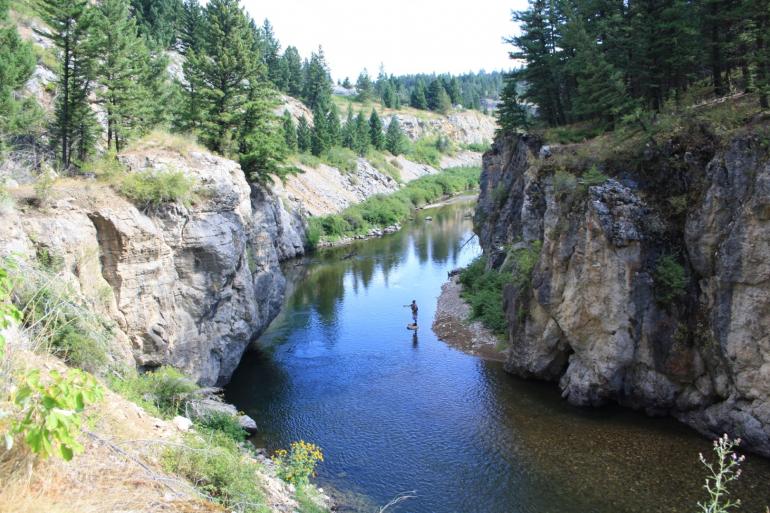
x: 395, y: 411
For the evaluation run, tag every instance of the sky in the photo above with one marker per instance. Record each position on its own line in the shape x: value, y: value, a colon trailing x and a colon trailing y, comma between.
x: 406, y: 36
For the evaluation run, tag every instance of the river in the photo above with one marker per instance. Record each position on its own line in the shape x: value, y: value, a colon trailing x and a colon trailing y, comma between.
x: 396, y: 411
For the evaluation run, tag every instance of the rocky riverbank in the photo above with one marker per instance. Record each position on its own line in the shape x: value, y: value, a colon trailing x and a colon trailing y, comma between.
x: 452, y: 325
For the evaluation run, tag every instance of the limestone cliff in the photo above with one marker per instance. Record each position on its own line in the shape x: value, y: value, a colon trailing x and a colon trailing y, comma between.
x: 187, y: 285
x: 596, y: 317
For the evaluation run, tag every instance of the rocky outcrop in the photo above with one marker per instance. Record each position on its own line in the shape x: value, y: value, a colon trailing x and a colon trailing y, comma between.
x: 595, y: 315
x: 461, y: 126
x: 187, y: 285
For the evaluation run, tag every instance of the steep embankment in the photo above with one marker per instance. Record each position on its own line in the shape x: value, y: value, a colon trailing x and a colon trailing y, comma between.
x: 652, y: 289
x: 188, y: 285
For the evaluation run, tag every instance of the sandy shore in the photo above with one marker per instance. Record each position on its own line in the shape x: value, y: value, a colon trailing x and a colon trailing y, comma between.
x: 453, y: 327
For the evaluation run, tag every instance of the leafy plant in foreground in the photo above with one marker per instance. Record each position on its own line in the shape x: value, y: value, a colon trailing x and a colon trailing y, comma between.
x: 51, y: 411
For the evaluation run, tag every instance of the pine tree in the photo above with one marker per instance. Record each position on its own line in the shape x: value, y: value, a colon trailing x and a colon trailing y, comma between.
x: 511, y: 115
x: 320, y: 141
x: 333, y: 127
x: 438, y: 99
x: 291, y: 69
x: 317, y: 87
x: 261, y: 146
x: 600, y: 91
x: 271, y: 49
x: 455, y: 91
x: 68, y: 23
x: 349, y: 130
x: 346, y: 84
x: 159, y: 20
x: 375, y: 131
x: 362, y: 135
x: 289, y: 132
x: 394, y: 138
x: 539, y: 44
x: 364, y: 86
x: 418, y: 99
x: 222, y: 71
x: 120, y: 71
x: 304, y: 135
x: 17, y: 62
x: 192, y: 30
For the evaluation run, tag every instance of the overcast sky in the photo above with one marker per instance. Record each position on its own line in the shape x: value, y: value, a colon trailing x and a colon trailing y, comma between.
x: 407, y: 36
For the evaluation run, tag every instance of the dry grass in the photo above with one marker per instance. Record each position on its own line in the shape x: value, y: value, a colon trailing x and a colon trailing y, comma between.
x: 160, y: 140
x: 118, y: 471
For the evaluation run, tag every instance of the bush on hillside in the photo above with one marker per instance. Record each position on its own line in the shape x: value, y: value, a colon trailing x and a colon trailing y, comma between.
x: 155, y: 188
x: 162, y: 392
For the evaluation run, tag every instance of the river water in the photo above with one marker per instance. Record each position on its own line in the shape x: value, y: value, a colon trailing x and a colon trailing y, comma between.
x: 396, y: 411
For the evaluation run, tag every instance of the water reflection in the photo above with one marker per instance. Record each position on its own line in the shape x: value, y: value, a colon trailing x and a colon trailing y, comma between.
x: 397, y: 410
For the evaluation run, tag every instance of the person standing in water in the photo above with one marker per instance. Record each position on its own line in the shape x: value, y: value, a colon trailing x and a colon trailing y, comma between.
x: 414, y: 308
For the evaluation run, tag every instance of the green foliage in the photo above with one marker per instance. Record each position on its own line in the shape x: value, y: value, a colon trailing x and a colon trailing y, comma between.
x: 483, y: 290
x: 523, y: 261
x: 68, y: 27
x: 478, y: 147
x: 362, y: 135
x: 44, y: 187
x: 564, y: 183
x: 17, y: 62
x: 593, y: 177
x: 395, y: 140
x: 154, y: 188
x: 670, y: 280
x: 313, y: 232
x: 304, y: 135
x: 341, y: 158
x: 721, y: 474
x: 306, y: 502
x: 218, y: 467
x: 364, y: 86
x: 512, y: 115
x: 223, y: 423
x: 51, y: 411
x: 380, y: 161
x: 56, y: 320
x: 310, y: 160
x: 499, y: 195
x: 387, y: 210
x: 425, y: 151
x: 9, y: 314
x: 297, y: 465
x: 375, y: 131
x: 162, y: 391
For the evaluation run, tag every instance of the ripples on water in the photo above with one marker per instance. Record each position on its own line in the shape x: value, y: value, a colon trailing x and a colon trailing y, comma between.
x: 396, y: 412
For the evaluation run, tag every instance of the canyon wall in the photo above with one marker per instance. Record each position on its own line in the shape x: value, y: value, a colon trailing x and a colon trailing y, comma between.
x: 600, y: 315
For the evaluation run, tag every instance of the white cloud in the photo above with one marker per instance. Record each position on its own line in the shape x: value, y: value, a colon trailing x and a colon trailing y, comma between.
x: 407, y: 36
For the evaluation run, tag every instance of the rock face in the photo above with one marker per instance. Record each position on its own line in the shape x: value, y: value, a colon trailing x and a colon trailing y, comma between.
x: 463, y: 126
x: 189, y: 286
x: 593, y: 316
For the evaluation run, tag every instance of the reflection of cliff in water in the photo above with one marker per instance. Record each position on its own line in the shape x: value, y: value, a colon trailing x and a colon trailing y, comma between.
x: 320, y: 283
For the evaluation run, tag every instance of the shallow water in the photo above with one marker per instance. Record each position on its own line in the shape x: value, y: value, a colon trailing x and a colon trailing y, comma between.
x: 394, y: 411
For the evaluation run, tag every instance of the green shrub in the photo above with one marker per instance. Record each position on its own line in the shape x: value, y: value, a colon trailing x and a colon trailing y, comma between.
x: 670, y: 280
x: 524, y: 261
x: 313, y: 232
x: 223, y: 423
x: 478, y: 147
x: 216, y: 465
x: 51, y: 411
x: 306, y: 502
x: 297, y: 465
x: 55, y: 319
x: 499, y: 195
x: 306, y: 159
x: 343, y: 159
x: 424, y: 151
x: 44, y: 187
x: 721, y: 475
x: 9, y: 314
x: 107, y: 168
x: 564, y: 183
x: 163, y: 391
x: 79, y: 349
x: 483, y: 291
x: 155, y: 188
x: 593, y: 177
x: 381, y: 163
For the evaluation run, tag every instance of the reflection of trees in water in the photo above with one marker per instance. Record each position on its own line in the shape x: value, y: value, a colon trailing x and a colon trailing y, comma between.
x: 322, y: 286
